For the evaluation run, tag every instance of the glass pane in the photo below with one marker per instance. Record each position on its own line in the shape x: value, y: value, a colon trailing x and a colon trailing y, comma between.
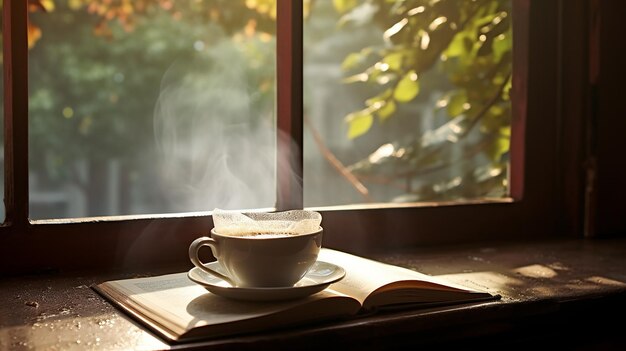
x: 151, y: 107
x: 406, y: 101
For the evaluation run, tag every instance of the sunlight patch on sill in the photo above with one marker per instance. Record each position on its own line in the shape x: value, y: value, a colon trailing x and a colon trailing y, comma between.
x: 489, y: 281
x: 75, y: 333
x: 387, y: 205
x: 605, y: 281
x: 536, y: 271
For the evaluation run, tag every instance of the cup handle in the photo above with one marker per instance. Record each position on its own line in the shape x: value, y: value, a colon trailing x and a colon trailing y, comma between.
x: 194, y: 248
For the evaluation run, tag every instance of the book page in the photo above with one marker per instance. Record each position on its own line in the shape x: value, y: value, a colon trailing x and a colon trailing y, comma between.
x: 177, y: 305
x: 364, y: 276
x: 178, y: 308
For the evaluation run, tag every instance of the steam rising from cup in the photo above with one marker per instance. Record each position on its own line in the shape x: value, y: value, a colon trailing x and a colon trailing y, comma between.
x: 216, y: 149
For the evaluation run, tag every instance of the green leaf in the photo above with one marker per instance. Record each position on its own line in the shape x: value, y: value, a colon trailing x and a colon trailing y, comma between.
x: 496, y: 110
x: 374, y: 101
x: 379, y: 98
x: 499, y: 147
x: 506, y: 91
x: 479, y: 22
x: 506, y: 131
x: 394, y: 60
x: 456, y: 105
x: 407, y: 88
x: 359, y: 123
x: 356, y: 58
x: 351, y: 61
x: 387, y: 110
x: 343, y: 6
x: 458, y: 45
x: 501, y: 44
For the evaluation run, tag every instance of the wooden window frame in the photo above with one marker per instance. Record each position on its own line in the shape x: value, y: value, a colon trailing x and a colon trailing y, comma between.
x: 533, y: 210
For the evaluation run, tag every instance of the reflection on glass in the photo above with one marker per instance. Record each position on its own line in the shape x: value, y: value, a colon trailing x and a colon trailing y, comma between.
x: 151, y: 107
x: 406, y: 101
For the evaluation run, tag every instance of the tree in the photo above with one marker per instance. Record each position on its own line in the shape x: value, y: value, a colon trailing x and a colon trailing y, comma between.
x: 470, y: 43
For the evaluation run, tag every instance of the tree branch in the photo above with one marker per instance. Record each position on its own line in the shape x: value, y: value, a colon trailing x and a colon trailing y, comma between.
x: 336, y: 164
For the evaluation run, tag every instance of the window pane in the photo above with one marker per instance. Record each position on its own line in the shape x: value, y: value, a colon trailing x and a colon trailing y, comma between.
x: 151, y: 107
x: 406, y: 101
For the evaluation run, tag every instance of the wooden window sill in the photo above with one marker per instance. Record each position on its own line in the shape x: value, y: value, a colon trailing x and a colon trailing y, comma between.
x: 558, y: 292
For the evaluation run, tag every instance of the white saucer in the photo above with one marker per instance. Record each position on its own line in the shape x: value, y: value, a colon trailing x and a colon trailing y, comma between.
x: 317, y: 279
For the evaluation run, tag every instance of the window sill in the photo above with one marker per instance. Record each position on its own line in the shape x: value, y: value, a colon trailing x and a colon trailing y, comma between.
x: 560, y: 292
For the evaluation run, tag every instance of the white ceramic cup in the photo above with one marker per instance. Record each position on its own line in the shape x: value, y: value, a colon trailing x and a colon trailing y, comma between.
x: 260, y: 260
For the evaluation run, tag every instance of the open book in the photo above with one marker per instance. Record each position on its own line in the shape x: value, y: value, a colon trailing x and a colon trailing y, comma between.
x: 180, y: 310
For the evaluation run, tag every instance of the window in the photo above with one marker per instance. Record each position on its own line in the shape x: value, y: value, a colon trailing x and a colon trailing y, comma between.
x: 530, y: 209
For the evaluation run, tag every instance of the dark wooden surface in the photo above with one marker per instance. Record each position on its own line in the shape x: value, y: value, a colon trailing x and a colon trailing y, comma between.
x: 561, y: 293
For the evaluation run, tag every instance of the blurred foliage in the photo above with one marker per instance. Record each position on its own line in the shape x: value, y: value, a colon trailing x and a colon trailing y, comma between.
x: 469, y: 42
x: 228, y: 14
x: 96, y: 68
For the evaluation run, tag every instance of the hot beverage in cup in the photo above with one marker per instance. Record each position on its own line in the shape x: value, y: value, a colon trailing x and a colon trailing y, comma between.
x: 263, y: 235
x: 260, y: 259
